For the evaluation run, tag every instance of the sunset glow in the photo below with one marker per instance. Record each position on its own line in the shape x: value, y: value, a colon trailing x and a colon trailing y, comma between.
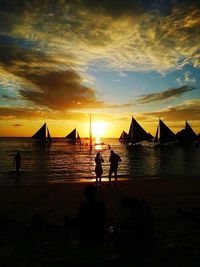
x: 62, y: 60
x: 99, y: 129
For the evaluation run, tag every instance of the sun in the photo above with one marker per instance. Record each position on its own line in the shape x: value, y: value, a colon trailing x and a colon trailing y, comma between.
x: 98, y: 129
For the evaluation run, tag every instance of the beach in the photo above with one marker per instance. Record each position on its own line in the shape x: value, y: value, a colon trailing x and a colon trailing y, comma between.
x: 177, y: 237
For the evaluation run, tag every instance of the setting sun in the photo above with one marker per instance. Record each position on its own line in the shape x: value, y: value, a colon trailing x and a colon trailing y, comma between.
x: 98, y: 129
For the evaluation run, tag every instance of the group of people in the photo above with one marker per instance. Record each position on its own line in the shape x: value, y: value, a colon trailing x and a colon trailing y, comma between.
x: 92, y: 218
x: 114, y: 160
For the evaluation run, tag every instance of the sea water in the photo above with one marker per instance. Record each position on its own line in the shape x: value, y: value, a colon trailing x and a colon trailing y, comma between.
x: 62, y: 161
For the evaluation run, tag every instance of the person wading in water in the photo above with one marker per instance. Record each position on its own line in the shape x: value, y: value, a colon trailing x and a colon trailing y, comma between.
x: 17, y: 162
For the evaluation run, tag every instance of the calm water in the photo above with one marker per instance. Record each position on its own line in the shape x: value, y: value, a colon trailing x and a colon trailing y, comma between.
x: 61, y: 161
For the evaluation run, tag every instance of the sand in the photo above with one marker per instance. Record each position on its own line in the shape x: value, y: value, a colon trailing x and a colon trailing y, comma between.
x: 177, y: 238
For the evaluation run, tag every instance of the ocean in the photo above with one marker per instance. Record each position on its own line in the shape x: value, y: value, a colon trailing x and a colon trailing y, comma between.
x: 63, y: 162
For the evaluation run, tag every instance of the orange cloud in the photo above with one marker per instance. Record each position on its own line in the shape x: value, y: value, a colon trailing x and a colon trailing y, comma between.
x: 73, y: 32
x: 188, y: 110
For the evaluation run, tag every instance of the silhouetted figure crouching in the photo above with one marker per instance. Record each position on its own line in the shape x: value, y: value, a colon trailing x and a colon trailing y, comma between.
x: 91, y: 216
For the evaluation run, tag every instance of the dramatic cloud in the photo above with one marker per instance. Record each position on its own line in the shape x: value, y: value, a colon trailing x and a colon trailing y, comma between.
x: 189, y: 110
x: 135, y: 35
x: 164, y: 95
x: 45, y: 82
x: 13, y: 113
x: 47, y: 49
x: 60, y: 91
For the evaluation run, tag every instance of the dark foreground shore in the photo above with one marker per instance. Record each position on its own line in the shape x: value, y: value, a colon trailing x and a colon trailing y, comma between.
x: 177, y: 234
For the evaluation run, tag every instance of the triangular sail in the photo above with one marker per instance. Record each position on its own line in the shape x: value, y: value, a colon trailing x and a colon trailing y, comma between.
x: 164, y: 134
x: 74, y: 135
x: 150, y: 136
x: 136, y: 132
x: 186, y: 135
x: 190, y: 134
x: 41, y: 133
x: 123, y: 136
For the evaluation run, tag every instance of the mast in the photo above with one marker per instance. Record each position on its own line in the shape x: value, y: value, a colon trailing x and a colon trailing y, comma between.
x: 90, y: 132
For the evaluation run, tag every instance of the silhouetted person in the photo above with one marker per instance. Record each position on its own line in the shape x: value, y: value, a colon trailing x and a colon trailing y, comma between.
x: 91, y: 216
x: 140, y: 221
x: 114, y: 160
x: 17, y: 161
x: 98, y: 169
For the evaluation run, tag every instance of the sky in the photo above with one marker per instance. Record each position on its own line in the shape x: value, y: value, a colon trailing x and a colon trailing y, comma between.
x: 61, y: 61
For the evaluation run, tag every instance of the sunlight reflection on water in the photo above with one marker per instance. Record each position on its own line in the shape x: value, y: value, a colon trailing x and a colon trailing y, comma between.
x: 62, y: 161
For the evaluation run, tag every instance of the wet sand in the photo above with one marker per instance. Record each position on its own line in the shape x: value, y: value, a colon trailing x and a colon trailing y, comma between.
x: 177, y: 237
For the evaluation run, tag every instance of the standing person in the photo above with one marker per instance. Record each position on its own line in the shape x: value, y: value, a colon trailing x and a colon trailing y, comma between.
x: 98, y: 169
x: 114, y: 160
x: 17, y: 161
x: 91, y: 216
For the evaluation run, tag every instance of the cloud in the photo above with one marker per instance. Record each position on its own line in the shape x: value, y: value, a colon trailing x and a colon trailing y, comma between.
x: 17, y: 125
x: 164, y: 95
x: 189, y: 110
x: 47, y: 46
x: 60, y: 91
x: 12, y: 113
x: 186, y: 78
x: 7, y: 97
x: 44, y: 83
x: 20, y: 113
x: 135, y: 35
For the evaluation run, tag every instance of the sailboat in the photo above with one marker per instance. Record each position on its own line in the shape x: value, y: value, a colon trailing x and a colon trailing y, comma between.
x: 42, y: 134
x: 123, y: 137
x: 136, y: 133
x: 164, y: 134
x: 73, y: 136
x: 186, y: 135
